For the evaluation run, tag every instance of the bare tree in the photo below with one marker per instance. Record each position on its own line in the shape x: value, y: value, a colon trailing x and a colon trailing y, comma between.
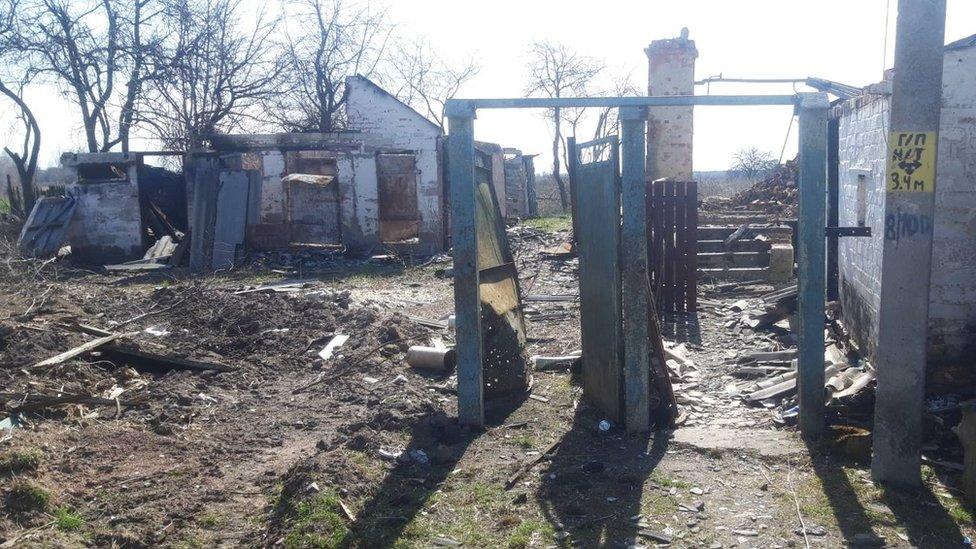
x: 752, y: 163
x: 608, y: 122
x: 557, y: 71
x: 14, y: 78
x: 77, y: 42
x: 144, y: 34
x: 214, y: 75
x: 425, y: 81
x: 344, y: 39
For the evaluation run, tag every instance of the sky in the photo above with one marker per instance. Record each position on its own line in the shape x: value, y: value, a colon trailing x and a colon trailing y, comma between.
x: 841, y: 40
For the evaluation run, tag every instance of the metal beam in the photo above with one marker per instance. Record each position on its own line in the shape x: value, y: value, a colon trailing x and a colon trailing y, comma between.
x: 812, y: 109
x: 633, y: 259
x: 464, y: 241
x: 469, y: 105
x: 906, y: 268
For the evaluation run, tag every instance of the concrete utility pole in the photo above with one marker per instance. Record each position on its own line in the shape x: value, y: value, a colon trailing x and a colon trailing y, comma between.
x: 916, y: 105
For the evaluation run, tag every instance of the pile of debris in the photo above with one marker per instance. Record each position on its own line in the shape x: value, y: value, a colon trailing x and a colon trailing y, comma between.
x: 776, y: 193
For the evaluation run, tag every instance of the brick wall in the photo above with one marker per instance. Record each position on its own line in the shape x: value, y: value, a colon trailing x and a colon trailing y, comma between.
x: 385, y: 122
x: 863, y: 130
x: 671, y: 71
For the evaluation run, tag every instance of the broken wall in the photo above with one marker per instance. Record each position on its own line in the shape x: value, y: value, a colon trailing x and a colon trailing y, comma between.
x: 671, y: 71
x: 386, y: 123
x: 863, y: 149
x: 107, y: 223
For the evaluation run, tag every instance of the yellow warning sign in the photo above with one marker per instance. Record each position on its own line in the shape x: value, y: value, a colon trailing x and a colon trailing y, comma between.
x: 911, y: 162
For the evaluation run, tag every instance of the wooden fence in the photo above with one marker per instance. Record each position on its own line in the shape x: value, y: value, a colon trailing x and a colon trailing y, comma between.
x: 672, y: 245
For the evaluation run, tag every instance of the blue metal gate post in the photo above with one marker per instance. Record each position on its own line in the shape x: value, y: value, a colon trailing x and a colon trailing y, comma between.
x: 633, y: 258
x: 464, y: 242
x: 812, y: 109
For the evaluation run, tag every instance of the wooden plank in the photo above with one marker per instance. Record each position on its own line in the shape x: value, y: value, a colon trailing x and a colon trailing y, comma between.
x: 691, y: 246
x: 464, y: 239
x: 599, y: 283
x: 658, y: 224
x: 86, y: 347
x: 679, y: 246
x: 633, y: 258
x: 668, y: 283
x: 746, y: 245
x: 145, y: 359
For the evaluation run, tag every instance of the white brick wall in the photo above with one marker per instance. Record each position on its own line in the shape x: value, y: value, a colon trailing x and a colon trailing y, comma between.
x: 863, y: 127
x: 388, y: 123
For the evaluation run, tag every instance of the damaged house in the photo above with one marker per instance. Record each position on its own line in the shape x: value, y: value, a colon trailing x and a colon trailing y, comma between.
x: 862, y: 125
x: 378, y: 185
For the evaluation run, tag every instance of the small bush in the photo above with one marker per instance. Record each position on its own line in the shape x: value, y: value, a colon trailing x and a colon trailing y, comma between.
x: 20, y: 462
x: 67, y: 520
x: 27, y: 497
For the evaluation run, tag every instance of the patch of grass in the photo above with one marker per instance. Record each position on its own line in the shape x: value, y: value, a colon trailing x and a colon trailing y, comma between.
x: 20, y: 462
x: 318, y: 523
x: 668, y: 482
x: 4, y: 205
x: 523, y: 534
x: 525, y: 441
x: 655, y: 504
x: 210, y: 520
x: 67, y: 519
x: 26, y: 497
x: 549, y: 224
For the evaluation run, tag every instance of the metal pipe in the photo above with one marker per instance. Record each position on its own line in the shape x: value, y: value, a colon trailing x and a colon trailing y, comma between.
x: 431, y: 358
x: 466, y: 106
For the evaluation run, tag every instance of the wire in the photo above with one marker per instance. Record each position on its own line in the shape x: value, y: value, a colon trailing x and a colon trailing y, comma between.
x: 787, y: 139
x: 884, y: 50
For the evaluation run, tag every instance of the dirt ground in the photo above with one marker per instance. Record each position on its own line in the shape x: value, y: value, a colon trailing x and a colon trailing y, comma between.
x: 359, y: 450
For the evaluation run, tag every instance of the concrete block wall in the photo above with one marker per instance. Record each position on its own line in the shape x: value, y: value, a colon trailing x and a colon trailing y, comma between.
x: 385, y: 122
x: 863, y: 148
x: 107, y: 224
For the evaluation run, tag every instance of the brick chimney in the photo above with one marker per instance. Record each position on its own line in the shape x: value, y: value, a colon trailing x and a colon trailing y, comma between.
x: 671, y: 71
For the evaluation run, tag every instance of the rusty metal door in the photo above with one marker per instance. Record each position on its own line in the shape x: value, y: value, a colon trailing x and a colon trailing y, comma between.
x: 396, y: 181
x: 312, y: 205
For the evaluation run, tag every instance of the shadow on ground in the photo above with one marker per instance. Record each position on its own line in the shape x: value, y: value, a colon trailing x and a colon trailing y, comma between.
x: 862, y: 508
x: 594, y: 482
x: 406, y: 488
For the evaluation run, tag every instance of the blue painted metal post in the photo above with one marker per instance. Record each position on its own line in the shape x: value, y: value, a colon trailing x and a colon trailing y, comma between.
x: 464, y: 242
x: 633, y: 259
x: 811, y: 256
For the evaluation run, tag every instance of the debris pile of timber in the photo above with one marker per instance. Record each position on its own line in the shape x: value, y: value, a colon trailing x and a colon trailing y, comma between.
x: 776, y: 193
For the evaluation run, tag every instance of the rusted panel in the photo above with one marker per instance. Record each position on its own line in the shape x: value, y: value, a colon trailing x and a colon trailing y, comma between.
x: 502, y: 320
x: 311, y: 196
x: 399, y: 214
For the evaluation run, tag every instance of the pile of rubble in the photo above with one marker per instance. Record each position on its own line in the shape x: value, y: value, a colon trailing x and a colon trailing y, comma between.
x: 776, y: 193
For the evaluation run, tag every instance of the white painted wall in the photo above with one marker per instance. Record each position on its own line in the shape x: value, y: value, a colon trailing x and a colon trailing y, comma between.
x: 385, y: 122
x: 863, y: 148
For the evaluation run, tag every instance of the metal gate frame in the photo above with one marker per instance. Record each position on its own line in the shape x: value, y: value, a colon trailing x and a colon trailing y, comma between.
x: 812, y: 110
